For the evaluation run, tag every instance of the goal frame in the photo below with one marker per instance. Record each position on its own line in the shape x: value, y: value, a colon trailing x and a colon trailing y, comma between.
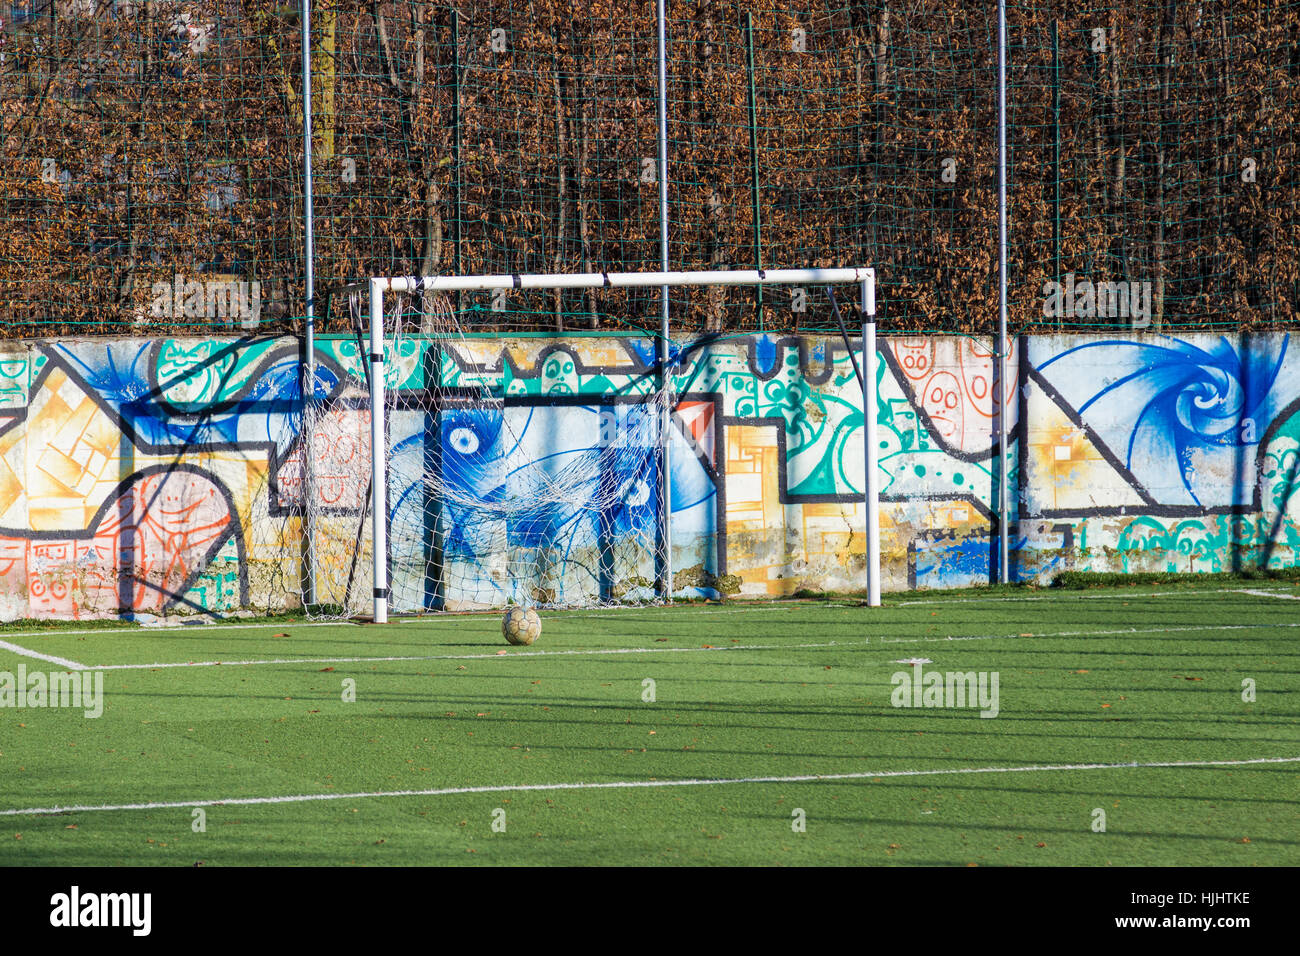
x: 376, y: 287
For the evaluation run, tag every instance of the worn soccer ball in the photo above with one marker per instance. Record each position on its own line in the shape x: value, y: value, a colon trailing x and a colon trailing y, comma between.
x: 521, y: 625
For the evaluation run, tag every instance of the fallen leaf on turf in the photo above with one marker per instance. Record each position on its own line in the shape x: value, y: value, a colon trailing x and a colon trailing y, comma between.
x: 1245, y: 839
x: 710, y: 646
x: 499, y: 653
x: 1105, y: 705
x: 1081, y: 672
x: 70, y: 826
x: 324, y: 670
x: 1026, y: 635
x: 280, y: 635
x: 660, y: 640
x: 1040, y: 844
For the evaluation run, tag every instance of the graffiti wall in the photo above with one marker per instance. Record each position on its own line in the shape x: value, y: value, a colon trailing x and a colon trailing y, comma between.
x: 153, y: 477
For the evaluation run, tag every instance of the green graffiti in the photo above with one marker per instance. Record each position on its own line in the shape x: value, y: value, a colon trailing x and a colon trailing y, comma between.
x: 196, y: 374
x: 13, y: 381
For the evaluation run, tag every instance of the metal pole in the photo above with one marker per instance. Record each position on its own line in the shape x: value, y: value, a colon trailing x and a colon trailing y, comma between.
x: 1001, y: 394
x: 871, y: 493
x: 455, y: 142
x: 1056, y: 157
x: 753, y: 160
x: 665, y: 460
x: 309, y: 376
x: 378, y: 449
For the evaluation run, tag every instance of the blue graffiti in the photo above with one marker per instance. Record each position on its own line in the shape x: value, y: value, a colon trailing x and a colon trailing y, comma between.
x: 1168, y: 402
x: 566, y: 494
x: 120, y: 375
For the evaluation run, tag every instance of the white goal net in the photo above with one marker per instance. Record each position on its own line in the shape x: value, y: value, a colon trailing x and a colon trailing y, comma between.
x: 489, y: 495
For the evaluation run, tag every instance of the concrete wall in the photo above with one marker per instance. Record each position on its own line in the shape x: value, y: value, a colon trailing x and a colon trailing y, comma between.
x: 154, y: 476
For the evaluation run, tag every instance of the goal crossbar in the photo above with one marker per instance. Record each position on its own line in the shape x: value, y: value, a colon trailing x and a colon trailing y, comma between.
x: 620, y: 280
x: 863, y: 277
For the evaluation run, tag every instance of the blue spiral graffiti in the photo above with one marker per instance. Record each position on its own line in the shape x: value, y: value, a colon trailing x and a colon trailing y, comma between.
x: 1179, y: 398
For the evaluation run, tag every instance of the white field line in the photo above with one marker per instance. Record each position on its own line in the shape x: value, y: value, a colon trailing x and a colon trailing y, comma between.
x: 49, y: 658
x: 745, y: 607
x: 1272, y: 594
x: 687, y: 650
x: 596, y: 614
x: 474, y: 657
x: 1109, y: 596
x: 159, y: 629
x: 640, y: 785
x: 1094, y: 633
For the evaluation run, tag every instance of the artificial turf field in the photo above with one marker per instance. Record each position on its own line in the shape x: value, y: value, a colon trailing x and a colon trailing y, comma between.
x: 750, y: 701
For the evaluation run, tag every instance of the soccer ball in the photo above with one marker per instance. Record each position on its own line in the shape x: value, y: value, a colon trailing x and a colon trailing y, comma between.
x: 521, y: 625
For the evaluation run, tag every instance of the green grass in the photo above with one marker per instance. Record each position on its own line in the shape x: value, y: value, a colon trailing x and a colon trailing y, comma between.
x: 1139, y: 675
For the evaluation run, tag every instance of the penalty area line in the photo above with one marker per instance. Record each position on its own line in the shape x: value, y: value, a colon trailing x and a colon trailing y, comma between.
x: 1065, y: 597
x: 494, y: 656
x: 194, y: 628
x: 1257, y: 592
x: 518, y: 655
x: 645, y: 784
x: 48, y: 658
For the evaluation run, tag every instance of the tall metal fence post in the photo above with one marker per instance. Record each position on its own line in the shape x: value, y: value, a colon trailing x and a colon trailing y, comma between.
x: 1056, y: 158
x: 1000, y: 394
x: 666, y: 414
x: 455, y: 148
x: 753, y: 160
x: 308, y: 376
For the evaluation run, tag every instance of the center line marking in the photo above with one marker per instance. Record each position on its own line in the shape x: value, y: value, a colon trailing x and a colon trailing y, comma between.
x: 639, y: 784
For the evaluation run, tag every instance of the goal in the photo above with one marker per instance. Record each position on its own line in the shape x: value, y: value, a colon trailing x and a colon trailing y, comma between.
x: 486, y: 493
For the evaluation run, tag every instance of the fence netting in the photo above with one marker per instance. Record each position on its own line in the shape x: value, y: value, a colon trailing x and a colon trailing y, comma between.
x: 152, y: 160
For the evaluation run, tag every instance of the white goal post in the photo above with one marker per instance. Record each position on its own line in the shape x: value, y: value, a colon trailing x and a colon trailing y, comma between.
x: 864, y: 278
